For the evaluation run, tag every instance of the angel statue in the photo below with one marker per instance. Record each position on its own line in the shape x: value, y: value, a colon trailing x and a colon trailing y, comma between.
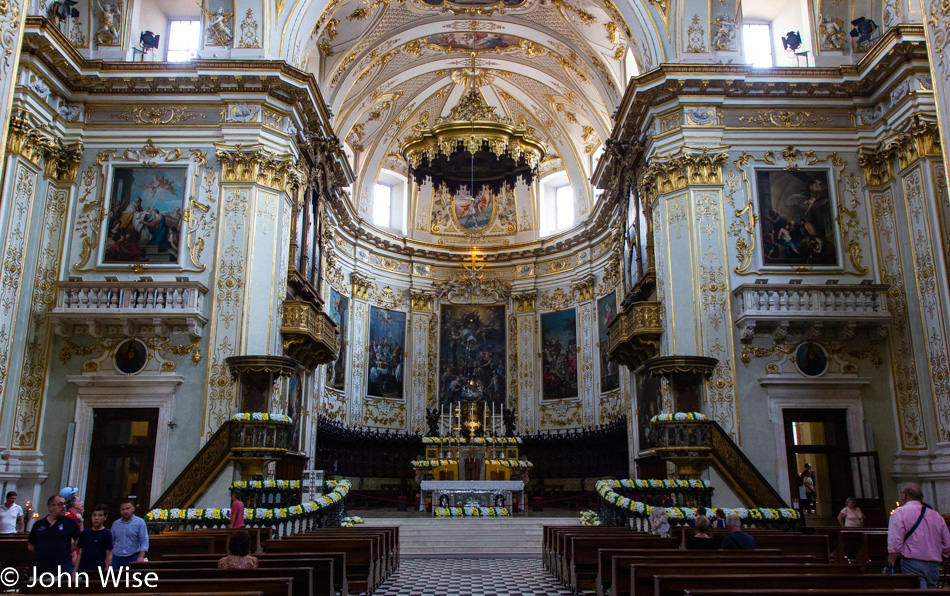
x: 109, y: 15
x: 218, y: 28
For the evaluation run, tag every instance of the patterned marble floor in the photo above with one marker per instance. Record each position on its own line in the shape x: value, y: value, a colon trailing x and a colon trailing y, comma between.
x: 471, y: 577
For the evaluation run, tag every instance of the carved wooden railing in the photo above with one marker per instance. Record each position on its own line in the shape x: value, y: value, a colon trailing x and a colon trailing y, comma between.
x: 249, y: 442
x: 309, y: 335
x: 634, y: 334
x: 700, y: 443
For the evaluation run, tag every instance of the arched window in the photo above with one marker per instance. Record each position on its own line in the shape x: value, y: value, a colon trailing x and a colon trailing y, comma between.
x: 556, y: 203
x: 389, y: 201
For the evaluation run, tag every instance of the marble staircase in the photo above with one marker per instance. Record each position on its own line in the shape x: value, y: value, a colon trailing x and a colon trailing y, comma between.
x: 425, y: 537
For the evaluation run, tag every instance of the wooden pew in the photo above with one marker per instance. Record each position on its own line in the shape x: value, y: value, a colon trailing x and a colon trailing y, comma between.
x: 302, y: 576
x: 382, y: 561
x: 611, y: 538
x: 560, y: 554
x: 582, y: 557
x: 322, y: 563
x: 796, y: 544
x: 553, y: 541
x: 360, y: 556
x: 266, y: 586
x: 159, y: 545
x: 642, y: 574
x: 872, y: 554
x: 257, y: 535
x: 318, y: 579
x: 675, y: 585
x: 547, y: 538
x: 209, y: 593
x: 615, y: 562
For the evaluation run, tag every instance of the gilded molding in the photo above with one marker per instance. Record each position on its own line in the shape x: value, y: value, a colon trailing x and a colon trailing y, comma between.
x: 421, y: 301
x: 877, y: 167
x: 361, y: 286
x: 62, y: 163
x: 309, y: 335
x: 921, y: 140
x: 681, y: 171
x: 785, y: 119
x: 255, y: 165
x: 584, y: 289
x: 525, y: 302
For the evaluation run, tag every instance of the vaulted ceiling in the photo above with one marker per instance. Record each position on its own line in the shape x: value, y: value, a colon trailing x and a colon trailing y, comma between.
x: 389, y: 67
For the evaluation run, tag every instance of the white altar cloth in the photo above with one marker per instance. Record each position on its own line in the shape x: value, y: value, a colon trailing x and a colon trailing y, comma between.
x: 454, y: 488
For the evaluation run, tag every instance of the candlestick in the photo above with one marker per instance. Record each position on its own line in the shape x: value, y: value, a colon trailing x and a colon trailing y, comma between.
x: 485, y: 419
x: 441, y: 418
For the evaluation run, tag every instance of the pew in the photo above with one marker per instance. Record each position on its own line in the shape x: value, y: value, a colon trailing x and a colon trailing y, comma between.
x: 553, y: 540
x: 389, y: 545
x: 642, y: 574
x: 222, y: 535
x: 208, y: 593
x: 318, y: 579
x: 872, y: 554
x: 581, y: 556
x: 322, y: 563
x: 675, y: 585
x: 302, y: 576
x: 360, y: 556
x: 561, y: 544
x: 159, y: 545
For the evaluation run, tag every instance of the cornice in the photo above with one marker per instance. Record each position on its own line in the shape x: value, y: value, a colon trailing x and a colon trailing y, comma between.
x: 78, y: 74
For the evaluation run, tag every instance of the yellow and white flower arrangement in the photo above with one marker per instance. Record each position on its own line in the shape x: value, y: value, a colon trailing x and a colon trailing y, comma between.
x: 471, y: 512
x: 474, y: 441
x: 510, y: 463
x: 678, y: 416
x: 433, y: 463
x: 589, y: 518
x: 266, y: 485
x: 260, y: 417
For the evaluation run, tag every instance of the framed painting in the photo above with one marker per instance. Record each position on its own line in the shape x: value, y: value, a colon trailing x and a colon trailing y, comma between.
x: 339, y: 313
x: 649, y: 404
x: 559, y: 355
x: 472, y: 353
x: 797, y: 218
x: 144, y: 222
x: 474, y: 213
x: 609, y: 371
x: 386, y: 353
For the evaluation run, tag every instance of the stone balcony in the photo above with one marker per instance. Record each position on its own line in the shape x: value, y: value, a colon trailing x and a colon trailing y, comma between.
x: 309, y: 335
x: 811, y: 309
x: 129, y: 308
x: 634, y: 334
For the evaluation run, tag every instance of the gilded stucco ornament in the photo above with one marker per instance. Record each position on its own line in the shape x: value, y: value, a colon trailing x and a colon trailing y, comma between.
x: 525, y: 301
x: 361, y: 286
x: 584, y: 289
x: 421, y: 301
x: 254, y: 165
x: 663, y: 176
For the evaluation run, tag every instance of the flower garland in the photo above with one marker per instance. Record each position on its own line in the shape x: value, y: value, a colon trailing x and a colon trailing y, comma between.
x: 340, y: 489
x: 433, y: 463
x: 509, y: 463
x: 266, y: 485
x: 678, y: 416
x: 589, y: 518
x: 475, y: 441
x: 605, y: 490
x: 661, y: 484
x: 471, y: 512
x: 260, y: 417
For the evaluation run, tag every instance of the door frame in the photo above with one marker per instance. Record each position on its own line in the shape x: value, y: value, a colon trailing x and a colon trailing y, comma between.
x: 837, y: 460
x: 825, y: 394
x: 103, y: 392
x: 104, y: 416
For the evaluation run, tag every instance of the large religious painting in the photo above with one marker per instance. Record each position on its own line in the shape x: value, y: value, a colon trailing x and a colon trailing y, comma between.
x: 387, y: 353
x: 474, y: 214
x: 609, y: 371
x: 145, y: 215
x: 559, y: 354
x: 472, y: 353
x: 339, y: 312
x: 649, y: 404
x: 797, y: 217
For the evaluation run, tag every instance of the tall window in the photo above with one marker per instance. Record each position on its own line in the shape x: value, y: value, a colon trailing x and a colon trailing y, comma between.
x: 564, y: 206
x: 757, y: 40
x: 556, y: 207
x: 184, y: 39
x: 383, y: 205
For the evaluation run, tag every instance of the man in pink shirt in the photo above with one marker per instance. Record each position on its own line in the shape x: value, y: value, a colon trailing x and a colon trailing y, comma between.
x: 919, y: 535
x: 236, y: 519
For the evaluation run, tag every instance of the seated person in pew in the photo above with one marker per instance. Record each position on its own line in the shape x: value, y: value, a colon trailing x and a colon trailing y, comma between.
x: 239, y: 546
x: 737, y: 539
x: 701, y: 540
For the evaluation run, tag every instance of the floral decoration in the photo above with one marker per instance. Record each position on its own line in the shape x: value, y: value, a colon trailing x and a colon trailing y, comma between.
x: 260, y: 417
x: 471, y: 512
x: 433, y: 463
x: 509, y: 463
x: 589, y: 518
x: 661, y: 484
x: 349, y: 522
x: 266, y: 485
x: 678, y: 416
x: 474, y: 441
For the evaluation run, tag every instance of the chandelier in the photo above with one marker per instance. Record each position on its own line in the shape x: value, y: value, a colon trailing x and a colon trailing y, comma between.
x: 473, y: 147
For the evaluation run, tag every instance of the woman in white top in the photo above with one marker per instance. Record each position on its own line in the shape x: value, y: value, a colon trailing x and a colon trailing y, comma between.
x: 851, y: 516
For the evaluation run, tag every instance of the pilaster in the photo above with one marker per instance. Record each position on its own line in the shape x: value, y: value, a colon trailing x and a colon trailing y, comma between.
x: 937, y: 26
x: 527, y: 329
x: 360, y: 316
x: 419, y: 318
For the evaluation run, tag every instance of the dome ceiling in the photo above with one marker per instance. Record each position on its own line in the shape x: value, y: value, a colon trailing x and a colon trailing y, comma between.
x: 389, y: 68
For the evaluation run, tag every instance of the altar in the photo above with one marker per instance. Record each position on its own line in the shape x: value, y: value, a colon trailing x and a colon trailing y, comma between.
x: 472, y: 493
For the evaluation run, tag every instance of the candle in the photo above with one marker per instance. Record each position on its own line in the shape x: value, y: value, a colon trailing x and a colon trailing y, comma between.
x: 451, y: 422
x: 485, y: 419
x: 441, y: 418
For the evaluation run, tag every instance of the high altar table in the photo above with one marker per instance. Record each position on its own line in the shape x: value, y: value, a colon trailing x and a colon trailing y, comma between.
x: 459, y: 493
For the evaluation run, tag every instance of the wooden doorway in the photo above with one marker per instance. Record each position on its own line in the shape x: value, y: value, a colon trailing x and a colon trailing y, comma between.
x: 820, y: 437
x: 121, y: 458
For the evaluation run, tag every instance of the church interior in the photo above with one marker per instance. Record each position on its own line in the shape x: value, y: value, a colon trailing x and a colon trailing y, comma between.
x: 475, y: 258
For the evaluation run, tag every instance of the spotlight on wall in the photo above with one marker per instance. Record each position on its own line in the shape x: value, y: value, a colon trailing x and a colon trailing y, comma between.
x: 792, y: 41
x: 863, y: 29
x: 64, y: 9
x: 149, y: 41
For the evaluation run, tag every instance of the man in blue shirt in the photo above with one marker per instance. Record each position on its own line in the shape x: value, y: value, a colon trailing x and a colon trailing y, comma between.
x: 129, y: 537
x: 737, y: 539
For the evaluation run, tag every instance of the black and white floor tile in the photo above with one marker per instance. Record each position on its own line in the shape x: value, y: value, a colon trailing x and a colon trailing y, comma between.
x: 471, y: 577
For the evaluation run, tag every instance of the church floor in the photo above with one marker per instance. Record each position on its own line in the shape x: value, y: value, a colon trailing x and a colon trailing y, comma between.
x: 471, y: 577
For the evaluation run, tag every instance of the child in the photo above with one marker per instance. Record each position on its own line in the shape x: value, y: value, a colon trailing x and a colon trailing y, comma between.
x: 95, y: 544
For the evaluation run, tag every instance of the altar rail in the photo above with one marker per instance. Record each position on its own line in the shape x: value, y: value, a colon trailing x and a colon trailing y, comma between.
x: 330, y: 516
x: 123, y: 308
